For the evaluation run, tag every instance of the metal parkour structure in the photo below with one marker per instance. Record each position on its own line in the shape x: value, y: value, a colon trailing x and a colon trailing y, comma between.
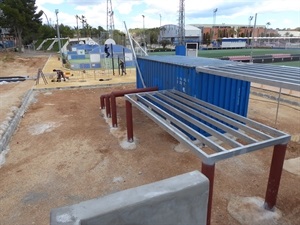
x: 110, y: 25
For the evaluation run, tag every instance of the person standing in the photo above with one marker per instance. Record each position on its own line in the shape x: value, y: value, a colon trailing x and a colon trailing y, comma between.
x: 106, y: 50
x: 122, y: 66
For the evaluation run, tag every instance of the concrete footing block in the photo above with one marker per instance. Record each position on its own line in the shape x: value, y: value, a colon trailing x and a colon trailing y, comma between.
x: 178, y: 200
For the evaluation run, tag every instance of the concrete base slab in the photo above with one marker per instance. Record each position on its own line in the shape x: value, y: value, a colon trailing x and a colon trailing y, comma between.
x: 177, y: 200
x: 292, y: 166
x: 250, y: 211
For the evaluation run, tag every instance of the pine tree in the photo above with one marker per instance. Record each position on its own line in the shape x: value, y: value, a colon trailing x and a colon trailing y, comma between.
x: 20, y: 16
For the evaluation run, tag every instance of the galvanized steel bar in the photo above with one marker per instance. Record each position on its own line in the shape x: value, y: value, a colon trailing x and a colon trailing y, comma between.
x: 134, y: 56
x: 224, y: 119
x: 200, y: 125
x: 258, y: 126
x: 180, y: 124
x: 173, y: 131
x: 173, y: 115
x: 270, y: 74
x: 233, y: 119
x: 251, y: 75
x: 249, y: 148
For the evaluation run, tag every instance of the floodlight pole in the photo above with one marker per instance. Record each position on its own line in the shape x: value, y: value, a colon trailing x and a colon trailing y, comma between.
x: 77, y: 27
x: 214, y: 22
x: 46, y: 18
x: 83, y: 21
x: 254, y: 27
x: 249, y: 27
x: 266, y: 32
x: 159, y: 20
x: 144, y: 36
x: 58, y: 35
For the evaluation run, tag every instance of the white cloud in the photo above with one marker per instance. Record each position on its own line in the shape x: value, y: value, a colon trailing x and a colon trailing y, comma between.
x: 131, y: 11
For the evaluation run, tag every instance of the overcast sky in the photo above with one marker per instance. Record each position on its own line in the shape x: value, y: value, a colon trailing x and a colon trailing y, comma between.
x: 280, y: 13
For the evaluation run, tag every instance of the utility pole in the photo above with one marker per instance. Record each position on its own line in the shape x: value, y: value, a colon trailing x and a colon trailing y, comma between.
x: 58, y: 36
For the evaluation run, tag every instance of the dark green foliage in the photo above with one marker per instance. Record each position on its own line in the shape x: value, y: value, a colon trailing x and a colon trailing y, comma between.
x: 66, y: 31
x: 45, y: 32
x: 164, y: 43
x: 119, y: 37
x: 21, y: 17
x: 152, y: 35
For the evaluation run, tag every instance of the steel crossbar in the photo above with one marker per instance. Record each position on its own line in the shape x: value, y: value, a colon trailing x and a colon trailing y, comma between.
x: 222, y: 134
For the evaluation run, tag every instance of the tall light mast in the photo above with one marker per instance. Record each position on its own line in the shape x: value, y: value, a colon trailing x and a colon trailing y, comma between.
x: 214, y: 22
x: 181, y: 23
x: 110, y: 26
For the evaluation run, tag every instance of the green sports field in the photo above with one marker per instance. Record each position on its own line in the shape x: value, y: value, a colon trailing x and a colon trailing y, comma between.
x: 240, y: 52
x: 235, y: 52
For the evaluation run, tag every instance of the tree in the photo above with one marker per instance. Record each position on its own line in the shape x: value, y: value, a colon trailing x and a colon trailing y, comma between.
x: 164, y: 43
x: 66, y: 31
x: 207, y: 39
x: 238, y: 31
x: 21, y: 17
x: 220, y: 33
x: 45, y: 32
x: 231, y: 32
x: 153, y: 34
x: 119, y: 37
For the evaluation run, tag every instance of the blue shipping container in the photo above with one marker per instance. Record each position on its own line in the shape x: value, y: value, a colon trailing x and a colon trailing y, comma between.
x: 179, y: 73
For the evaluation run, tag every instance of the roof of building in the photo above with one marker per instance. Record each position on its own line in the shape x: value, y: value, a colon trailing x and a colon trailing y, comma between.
x: 187, y: 26
x: 224, y: 24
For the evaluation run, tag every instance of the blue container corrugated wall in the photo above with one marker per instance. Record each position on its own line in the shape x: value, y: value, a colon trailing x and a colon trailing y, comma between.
x: 179, y: 73
x: 180, y: 50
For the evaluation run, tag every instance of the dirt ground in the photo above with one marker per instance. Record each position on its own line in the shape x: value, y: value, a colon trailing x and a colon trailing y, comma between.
x: 64, y: 151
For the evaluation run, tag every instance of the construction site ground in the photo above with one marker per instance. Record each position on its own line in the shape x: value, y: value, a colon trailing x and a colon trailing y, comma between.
x: 65, y: 151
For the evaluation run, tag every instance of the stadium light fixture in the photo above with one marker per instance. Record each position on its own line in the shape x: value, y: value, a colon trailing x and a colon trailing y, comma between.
x: 144, y: 29
x: 58, y: 34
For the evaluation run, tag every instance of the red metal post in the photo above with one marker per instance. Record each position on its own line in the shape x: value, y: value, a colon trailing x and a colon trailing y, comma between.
x: 209, y: 172
x: 129, y: 121
x: 113, y: 110
x: 116, y: 94
x: 102, y: 101
x: 107, y: 103
x: 275, y: 176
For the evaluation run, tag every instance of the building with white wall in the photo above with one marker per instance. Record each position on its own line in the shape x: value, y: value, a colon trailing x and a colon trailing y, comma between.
x: 170, y: 32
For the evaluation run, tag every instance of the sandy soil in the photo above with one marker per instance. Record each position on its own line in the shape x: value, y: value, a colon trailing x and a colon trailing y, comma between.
x: 65, y: 151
